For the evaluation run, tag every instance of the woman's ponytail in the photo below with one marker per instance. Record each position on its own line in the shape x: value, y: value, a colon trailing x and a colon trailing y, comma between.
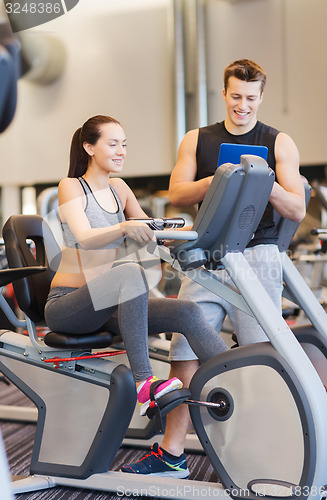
x: 79, y: 158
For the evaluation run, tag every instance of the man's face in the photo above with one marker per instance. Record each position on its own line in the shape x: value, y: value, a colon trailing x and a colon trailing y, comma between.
x: 242, y: 102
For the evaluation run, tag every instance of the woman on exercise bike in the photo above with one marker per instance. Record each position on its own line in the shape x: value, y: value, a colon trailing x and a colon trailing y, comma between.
x: 88, y: 292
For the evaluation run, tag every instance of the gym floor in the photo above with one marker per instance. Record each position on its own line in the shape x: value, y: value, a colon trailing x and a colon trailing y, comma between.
x: 18, y: 440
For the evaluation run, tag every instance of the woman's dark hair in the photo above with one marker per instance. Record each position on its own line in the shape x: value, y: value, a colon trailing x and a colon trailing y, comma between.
x: 90, y: 132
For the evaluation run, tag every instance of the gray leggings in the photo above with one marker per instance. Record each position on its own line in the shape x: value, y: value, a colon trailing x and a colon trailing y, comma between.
x: 121, y: 305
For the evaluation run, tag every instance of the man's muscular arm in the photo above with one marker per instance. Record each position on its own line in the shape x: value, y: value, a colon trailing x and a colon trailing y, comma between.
x: 183, y: 189
x: 287, y: 196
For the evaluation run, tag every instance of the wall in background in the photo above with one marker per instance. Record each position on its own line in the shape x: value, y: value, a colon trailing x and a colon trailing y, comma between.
x: 118, y: 63
x: 289, y: 39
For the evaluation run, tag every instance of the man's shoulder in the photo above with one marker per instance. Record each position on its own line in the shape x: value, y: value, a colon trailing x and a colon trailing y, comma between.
x: 267, y: 129
x: 213, y: 127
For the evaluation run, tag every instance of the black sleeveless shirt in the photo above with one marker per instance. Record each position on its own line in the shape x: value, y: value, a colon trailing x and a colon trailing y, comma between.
x: 207, y: 152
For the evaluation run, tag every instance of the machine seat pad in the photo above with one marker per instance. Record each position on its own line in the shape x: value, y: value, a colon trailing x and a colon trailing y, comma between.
x: 86, y: 341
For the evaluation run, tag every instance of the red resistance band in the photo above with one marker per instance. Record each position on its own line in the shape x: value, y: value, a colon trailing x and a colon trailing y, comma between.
x: 57, y: 360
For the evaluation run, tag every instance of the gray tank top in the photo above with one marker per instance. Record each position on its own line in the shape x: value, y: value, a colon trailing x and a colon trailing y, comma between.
x: 97, y: 216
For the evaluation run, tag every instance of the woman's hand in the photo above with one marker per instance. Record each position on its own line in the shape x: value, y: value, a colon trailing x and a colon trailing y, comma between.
x: 137, y: 231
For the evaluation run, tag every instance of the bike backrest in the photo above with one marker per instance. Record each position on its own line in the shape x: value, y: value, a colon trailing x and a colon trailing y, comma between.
x: 30, y: 242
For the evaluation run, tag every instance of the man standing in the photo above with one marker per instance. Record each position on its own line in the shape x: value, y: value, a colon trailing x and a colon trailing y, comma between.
x: 244, y: 82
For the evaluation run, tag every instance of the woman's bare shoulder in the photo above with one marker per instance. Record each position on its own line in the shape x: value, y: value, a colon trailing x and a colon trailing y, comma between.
x: 70, y: 187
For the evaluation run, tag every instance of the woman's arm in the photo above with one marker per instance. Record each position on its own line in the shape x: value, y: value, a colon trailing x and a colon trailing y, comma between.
x: 71, y: 210
x: 136, y: 230
x: 72, y: 203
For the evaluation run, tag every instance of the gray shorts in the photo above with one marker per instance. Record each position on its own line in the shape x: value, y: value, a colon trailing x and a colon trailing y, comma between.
x: 265, y: 260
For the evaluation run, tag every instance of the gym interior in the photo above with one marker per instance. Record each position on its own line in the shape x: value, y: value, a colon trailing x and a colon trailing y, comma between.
x: 157, y: 65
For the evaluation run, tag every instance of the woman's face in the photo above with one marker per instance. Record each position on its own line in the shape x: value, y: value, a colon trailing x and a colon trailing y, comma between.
x: 110, y: 150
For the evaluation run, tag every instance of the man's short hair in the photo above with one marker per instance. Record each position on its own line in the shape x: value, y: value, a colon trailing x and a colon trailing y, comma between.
x: 247, y: 70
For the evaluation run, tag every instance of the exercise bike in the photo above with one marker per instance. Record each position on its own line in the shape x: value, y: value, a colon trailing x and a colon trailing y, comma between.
x: 262, y: 422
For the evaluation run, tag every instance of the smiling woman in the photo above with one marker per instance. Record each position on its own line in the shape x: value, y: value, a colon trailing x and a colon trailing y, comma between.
x: 92, y: 206
x: 91, y: 291
x: 109, y: 151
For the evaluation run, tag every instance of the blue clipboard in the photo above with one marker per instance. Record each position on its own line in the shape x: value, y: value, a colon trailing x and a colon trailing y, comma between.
x: 231, y: 153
